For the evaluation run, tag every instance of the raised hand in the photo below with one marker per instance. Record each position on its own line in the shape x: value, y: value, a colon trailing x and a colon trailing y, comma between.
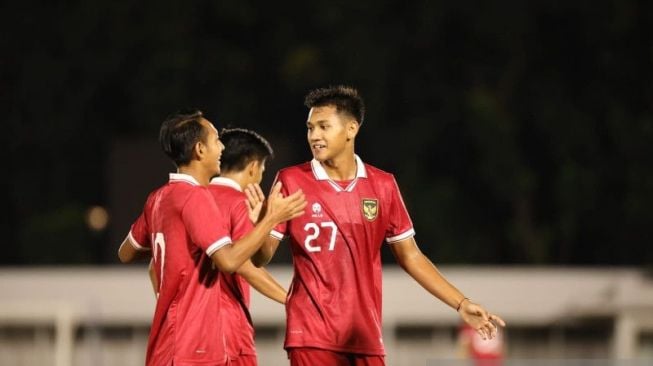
x: 280, y: 208
x: 480, y: 319
x: 255, y: 199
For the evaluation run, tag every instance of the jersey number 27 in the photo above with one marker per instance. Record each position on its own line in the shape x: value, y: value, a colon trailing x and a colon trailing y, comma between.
x: 314, y: 233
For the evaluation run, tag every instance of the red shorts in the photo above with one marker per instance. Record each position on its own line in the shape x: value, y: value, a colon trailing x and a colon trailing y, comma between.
x: 244, y: 360
x: 320, y: 357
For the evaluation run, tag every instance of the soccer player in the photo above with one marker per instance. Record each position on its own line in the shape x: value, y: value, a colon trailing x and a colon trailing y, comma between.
x: 334, y: 302
x: 190, y: 241
x: 242, y: 166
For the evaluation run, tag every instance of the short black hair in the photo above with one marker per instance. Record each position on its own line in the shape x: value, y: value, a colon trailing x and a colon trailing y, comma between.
x: 345, y: 98
x: 241, y: 147
x: 179, y: 133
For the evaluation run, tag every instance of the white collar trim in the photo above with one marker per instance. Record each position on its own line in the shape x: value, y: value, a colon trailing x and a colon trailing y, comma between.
x: 320, y: 174
x: 180, y: 177
x: 222, y: 181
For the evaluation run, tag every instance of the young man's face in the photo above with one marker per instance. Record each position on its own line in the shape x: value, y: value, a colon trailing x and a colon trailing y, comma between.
x: 213, y: 148
x: 327, y: 133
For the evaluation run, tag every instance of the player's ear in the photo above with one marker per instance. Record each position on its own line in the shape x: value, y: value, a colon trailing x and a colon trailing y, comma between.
x: 352, y: 129
x: 251, y: 167
x: 199, y: 149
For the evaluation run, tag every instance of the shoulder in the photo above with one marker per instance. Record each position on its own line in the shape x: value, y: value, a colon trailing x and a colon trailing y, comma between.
x: 378, y: 174
x: 295, y: 170
x: 194, y: 194
x: 155, y: 195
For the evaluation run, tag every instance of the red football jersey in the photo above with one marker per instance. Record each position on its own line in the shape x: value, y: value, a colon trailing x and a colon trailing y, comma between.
x: 335, y: 298
x: 183, y: 226
x: 235, y: 290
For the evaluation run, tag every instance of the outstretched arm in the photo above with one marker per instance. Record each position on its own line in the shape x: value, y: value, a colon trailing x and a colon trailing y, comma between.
x: 418, y: 266
x: 263, y: 282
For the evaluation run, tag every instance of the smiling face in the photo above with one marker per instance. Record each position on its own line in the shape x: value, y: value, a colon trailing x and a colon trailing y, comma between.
x: 330, y: 134
x: 212, y: 148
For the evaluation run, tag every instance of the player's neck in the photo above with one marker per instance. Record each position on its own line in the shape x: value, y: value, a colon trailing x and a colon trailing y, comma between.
x: 201, y: 176
x: 236, y: 177
x: 341, y: 167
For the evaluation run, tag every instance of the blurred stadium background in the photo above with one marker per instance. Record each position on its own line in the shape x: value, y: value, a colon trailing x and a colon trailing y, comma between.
x: 521, y: 134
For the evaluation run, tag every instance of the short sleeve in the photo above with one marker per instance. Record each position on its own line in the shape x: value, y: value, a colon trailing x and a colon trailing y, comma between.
x: 139, y: 234
x: 279, y: 231
x: 241, y: 225
x: 205, y: 223
x: 400, y: 226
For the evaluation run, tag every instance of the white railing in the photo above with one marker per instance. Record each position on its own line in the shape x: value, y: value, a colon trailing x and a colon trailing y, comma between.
x: 66, y: 299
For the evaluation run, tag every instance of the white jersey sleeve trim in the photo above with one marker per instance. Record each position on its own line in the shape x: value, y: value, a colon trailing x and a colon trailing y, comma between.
x: 136, y: 244
x: 277, y: 235
x: 405, y: 235
x: 217, y: 245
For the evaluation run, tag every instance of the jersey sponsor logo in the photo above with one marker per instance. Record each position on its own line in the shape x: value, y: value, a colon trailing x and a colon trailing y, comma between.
x: 370, y: 207
x: 317, y: 210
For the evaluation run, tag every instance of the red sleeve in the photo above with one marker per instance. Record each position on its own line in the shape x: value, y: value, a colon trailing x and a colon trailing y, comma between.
x: 140, y: 234
x: 400, y: 226
x: 241, y: 225
x: 206, y: 225
x: 279, y: 231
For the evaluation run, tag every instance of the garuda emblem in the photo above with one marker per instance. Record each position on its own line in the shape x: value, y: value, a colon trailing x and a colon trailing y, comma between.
x: 370, y: 208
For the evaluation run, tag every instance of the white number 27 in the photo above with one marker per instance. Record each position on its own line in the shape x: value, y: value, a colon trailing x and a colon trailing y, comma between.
x: 315, y: 233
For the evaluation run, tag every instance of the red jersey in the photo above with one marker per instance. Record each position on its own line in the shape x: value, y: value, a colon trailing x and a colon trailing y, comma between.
x: 335, y: 298
x: 235, y: 290
x: 183, y: 226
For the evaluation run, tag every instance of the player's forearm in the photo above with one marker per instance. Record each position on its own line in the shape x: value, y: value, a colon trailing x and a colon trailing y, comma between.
x: 427, y: 275
x: 266, y: 252
x: 231, y: 257
x: 263, y: 282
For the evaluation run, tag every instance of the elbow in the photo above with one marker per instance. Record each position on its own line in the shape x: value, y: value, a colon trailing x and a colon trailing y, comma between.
x: 260, y: 259
x: 225, y: 265
x: 230, y: 269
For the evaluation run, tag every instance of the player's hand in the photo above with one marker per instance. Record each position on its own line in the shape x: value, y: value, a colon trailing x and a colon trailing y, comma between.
x: 255, y: 199
x: 280, y: 208
x: 485, y: 324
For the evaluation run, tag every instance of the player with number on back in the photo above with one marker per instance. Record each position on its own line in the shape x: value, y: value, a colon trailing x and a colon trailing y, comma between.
x: 334, y: 303
x: 189, y: 239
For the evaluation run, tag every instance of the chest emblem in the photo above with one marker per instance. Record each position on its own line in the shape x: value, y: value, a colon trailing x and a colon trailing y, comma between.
x: 370, y: 208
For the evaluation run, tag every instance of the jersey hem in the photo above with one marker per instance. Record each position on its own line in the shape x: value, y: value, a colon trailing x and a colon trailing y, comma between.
x: 277, y: 235
x: 217, y: 245
x: 135, y: 244
x: 405, y: 235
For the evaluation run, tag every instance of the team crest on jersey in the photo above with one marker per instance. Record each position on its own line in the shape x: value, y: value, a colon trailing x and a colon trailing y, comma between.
x: 370, y: 208
x: 317, y: 210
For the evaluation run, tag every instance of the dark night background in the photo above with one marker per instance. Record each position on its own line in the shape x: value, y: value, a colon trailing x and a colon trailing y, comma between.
x: 519, y: 132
